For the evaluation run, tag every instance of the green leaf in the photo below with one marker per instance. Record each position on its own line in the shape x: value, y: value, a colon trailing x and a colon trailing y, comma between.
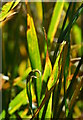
x: 46, y: 75
x: 49, y: 108
x: 57, y: 73
x: 44, y: 99
x: 66, y: 31
x: 47, y: 72
x: 65, y: 19
x: 28, y: 88
x: 55, y: 20
x: 73, y: 20
x: 21, y: 98
x: 2, y: 115
x: 52, y: 83
x: 18, y: 101
x: 60, y: 76
x: 34, y: 54
x: 46, y: 113
x: 77, y: 36
x: 16, y: 3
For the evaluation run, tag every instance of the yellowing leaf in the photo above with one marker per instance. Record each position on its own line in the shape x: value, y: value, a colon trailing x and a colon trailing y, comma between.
x: 6, y: 9
x: 56, y: 69
x: 22, y: 68
x: 39, y: 10
x: 48, y: 69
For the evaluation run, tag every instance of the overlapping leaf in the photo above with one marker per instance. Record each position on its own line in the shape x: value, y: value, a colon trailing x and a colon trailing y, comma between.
x: 51, y: 83
x: 6, y: 9
x: 56, y: 68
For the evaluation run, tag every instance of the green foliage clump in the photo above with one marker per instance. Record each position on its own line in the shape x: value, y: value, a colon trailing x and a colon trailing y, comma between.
x: 42, y: 57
